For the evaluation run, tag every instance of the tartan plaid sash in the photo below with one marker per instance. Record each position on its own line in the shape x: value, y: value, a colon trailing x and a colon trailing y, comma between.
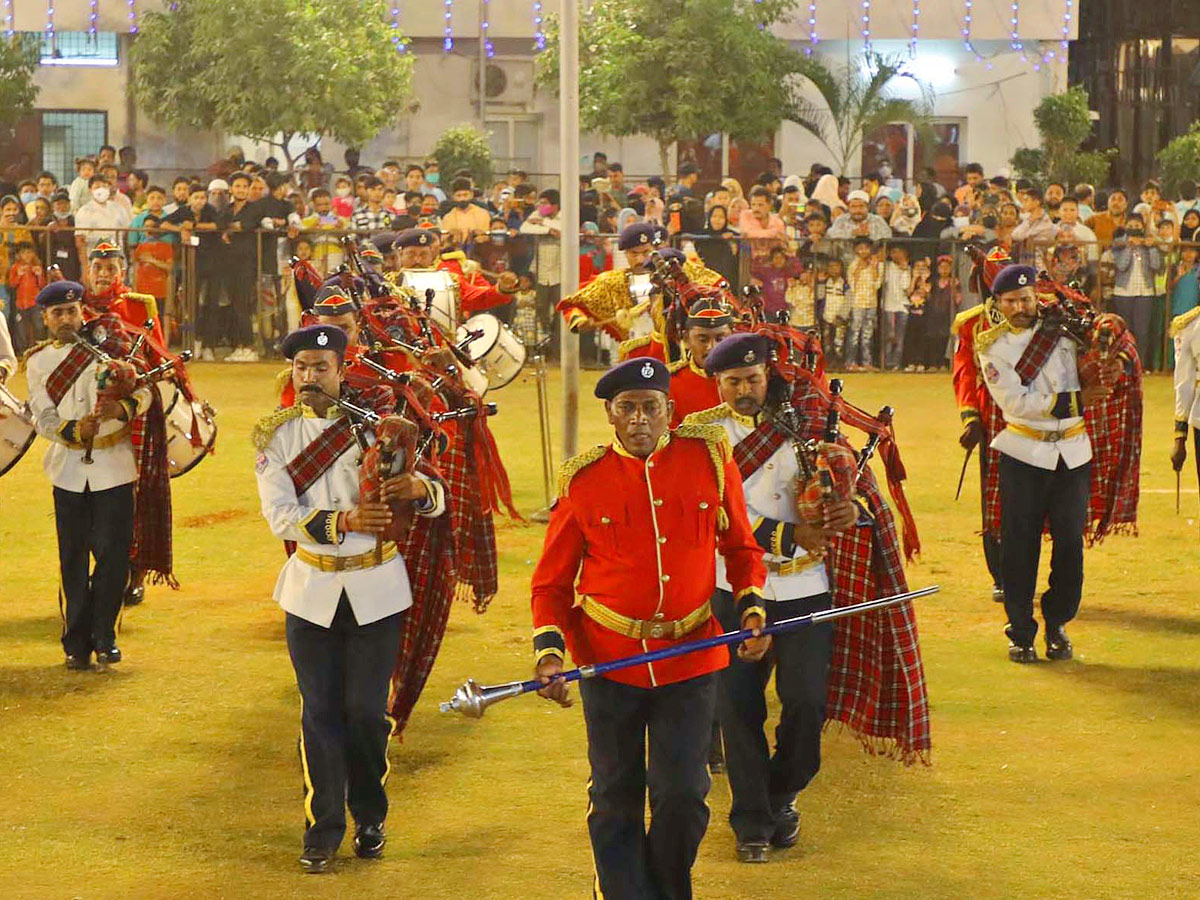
x: 756, y: 448
x: 1037, y: 353
x: 66, y: 373
x: 322, y: 452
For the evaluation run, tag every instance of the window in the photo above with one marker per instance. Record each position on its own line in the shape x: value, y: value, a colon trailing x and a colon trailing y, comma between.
x: 79, y: 48
x: 67, y: 135
x: 514, y: 141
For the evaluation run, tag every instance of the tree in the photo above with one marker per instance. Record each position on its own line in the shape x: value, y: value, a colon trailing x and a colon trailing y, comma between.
x: 464, y: 147
x: 855, y: 100
x: 1063, y: 123
x: 1180, y: 160
x: 293, y: 67
x: 18, y: 62
x: 677, y: 70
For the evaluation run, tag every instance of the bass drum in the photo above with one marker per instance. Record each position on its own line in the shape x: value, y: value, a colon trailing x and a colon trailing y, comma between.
x: 16, y: 429
x: 497, y: 352
x: 191, y: 429
x: 444, y: 310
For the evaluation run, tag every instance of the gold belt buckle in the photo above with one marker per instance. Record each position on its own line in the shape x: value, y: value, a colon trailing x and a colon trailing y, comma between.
x: 657, y: 628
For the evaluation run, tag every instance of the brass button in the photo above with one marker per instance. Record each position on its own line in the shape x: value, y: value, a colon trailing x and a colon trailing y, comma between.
x: 666, y: 578
x: 662, y: 540
x: 657, y: 502
x: 605, y: 520
x: 704, y: 504
x: 649, y: 465
x: 770, y: 465
x: 659, y: 616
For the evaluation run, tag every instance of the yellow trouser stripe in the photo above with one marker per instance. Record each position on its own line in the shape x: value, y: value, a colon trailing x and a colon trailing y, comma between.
x: 387, y: 759
x: 597, y: 892
x: 308, y: 785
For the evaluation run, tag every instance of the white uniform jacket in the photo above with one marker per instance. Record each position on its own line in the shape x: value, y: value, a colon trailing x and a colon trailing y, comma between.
x: 1051, y: 404
x: 311, y: 521
x: 112, y: 465
x: 771, y: 502
x: 1186, y: 329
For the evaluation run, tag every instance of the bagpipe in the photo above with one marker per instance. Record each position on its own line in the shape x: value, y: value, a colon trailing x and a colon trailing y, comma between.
x: 679, y: 293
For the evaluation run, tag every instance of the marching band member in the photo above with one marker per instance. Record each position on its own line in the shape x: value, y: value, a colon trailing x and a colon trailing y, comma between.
x: 1045, y: 461
x: 692, y: 388
x: 1185, y: 330
x: 107, y: 290
x: 343, y: 593
x: 93, y: 503
x: 648, y: 509
x: 418, y: 249
x: 765, y: 785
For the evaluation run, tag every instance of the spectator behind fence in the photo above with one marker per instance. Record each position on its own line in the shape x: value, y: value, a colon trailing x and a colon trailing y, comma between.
x: 940, y: 306
x: 11, y: 237
x: 718, y: 248
x: 101, y: 212
x: 836, y: 312
x: 1068, y: 223
x: 324, y: 227
x: 761, y: 227
x: 825, y: 193
x: 156, y: 201
x: 545, y: 222
x: 85, y: 168
x: 371, y: 215
x: 772, y: 276
x: 1137, y: 261
x: 26, y: 277
x: 197, y: 224
x: 865, y: 277
x: 914, y: 333
x: 907, y: 215
x: 802, y: 297
x: 1032, y: 236
x: 1105, y: 224
x: 857, y: 222
x: 465, y: 219
x: 897, y: 279
x: 62, y: 249
x: 153, y: 261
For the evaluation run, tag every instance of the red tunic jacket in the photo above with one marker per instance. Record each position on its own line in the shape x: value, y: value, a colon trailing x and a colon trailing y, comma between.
x: 968, y: 383
x: 475, y: 293
x: 692, y: 389
x: 640, y: 535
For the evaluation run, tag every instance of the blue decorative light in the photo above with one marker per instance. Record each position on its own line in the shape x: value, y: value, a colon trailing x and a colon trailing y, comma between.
x: 133, y: 17
x: 50, y: 19
x: 812, y: 28
x: 866, y: 24
x: 397, y: 38
x: 93, y: 15
x: 485, y: 35
x: 448, y: 30
x: 966, y: 32
x: 539, y: 33
x: 8, y: 19
x: 916, y: 26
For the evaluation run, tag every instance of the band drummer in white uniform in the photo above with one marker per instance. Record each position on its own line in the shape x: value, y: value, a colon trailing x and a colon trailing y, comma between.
x: 343, y: 593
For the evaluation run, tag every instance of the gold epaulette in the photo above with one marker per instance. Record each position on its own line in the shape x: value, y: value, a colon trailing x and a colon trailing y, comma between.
x: 266, y: 427
x: 32, y: 350
x: 707, y: 416
x: 967, y: 315
x: 627, y: 347
x: 698, y: 273
x: 573, y: 466
x: 988, y: 336
x: 1181, y: 322
x: 678, y: 366
x: 282, y: 379
x: 719, y: 451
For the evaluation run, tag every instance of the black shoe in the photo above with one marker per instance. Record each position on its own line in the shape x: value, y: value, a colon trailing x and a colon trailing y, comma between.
x: 316, y: 860
x: 79, y: 662
x: 787, y: 828
x: 108, y: 657
x: 752, y: 852
x: 369, y: 841
x: 1022, y: 654
x: 134, y: 595
x: 1058, y: 646
x: 997, y: 594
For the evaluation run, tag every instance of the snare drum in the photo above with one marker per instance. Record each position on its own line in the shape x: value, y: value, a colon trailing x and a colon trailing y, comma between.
x: 191, y: 429
x: 498, y: 353
x: 444, y: 310
x: 16, y: 429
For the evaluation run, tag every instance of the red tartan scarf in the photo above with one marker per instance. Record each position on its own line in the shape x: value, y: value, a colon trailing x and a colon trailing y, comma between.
x: 66, y: 373
x: 152, y: 551
x: 322, y: 452
x: 1037, y: 353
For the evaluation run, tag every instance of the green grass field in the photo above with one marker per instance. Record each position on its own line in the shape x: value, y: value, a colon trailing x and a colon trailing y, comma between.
x: 175, y: 774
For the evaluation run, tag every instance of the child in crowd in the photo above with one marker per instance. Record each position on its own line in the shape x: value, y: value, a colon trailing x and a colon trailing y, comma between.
x: 1185, y: 291
x: 342, y: 202
x: 897, y: 279
x: 914, y: 331
x: 773, y: 277
x: 526, y: 321
x: 801, y: 297
x: 940, y: 307
x: 836, y: 312
x: 324, y: 226
x: 85, y: 168
x: 865, y: 278
x: 153, y: 262
x: 26, y: 277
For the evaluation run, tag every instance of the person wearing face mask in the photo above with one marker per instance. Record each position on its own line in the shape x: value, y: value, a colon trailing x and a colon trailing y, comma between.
x: 465, y: 219
x: 1137, y: 261
x: 97, y: 215
x: 63, y: 251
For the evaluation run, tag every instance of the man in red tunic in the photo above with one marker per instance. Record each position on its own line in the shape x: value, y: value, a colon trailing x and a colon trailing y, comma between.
x: 638, y: 523
x: 419, y: 249
x: 692, y: 389
x: 106, y: 289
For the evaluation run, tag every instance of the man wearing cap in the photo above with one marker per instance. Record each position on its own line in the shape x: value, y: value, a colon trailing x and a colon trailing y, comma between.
x: 419, y: 249
x: 343, y: 592
x: 93, y: 502
x: 636, y: 524
x: 859, y: 221
x: 709, y: 320
x: 765, y: 785
x: 107, y: 291
x: 1045, y: 460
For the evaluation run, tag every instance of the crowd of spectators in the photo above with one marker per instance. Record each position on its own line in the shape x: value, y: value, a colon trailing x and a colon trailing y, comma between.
x: 880, y: 269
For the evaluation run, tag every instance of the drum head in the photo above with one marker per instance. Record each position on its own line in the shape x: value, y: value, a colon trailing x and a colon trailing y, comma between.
x: 16, y: 430
x: 482, y: 345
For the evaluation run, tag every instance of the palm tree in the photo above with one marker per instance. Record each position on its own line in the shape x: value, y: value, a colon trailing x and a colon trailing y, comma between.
x: 855, y: 100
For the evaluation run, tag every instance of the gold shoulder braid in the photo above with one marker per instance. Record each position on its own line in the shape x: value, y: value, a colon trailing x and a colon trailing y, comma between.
x: 718, y: 450
x: 571, y: 467
x: 604, y: 295
x: 698, y: 273
x: 282, y: 378
x: 706, y: 416
x: 678, y: 366
x: 32, y: 350
x: 967, y: 315
x: 993, y: 326
x: 266, y: 427
x: 1181, y: 322
x: 626, y: 347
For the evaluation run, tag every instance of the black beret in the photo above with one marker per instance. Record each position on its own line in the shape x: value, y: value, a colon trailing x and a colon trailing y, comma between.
x: 385, y: 241
x: 736, y: 351
x: 315, y: 337
x: 639, y: 374
x: 639, y: 234
x: 332, y: 300
x: 1013, y: 278
x: 59, y: 292
x: 414, y: 237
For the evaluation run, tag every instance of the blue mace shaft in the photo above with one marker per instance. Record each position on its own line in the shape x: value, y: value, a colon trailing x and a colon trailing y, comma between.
x: 472, y: 699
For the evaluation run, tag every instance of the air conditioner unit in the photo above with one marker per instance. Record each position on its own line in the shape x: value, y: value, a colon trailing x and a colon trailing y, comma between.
x: 507, y: 82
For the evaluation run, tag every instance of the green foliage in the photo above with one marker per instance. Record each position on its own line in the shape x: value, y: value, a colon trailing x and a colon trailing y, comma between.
x: 1063, y: 122
x: 855, y: 100
x: 294, y: 67
x: 1180, y: 159
x: 680, y: 69
x: 18, y: 62
x: 463, y: 147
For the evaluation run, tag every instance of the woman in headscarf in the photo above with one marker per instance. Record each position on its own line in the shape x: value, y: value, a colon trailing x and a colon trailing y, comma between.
x: 826, y: 193
x: 883, y: 207
x: 798, y: 183
x: 907, y: 215
x: 1189, y: 229
x: 734, y: 187
x: 933, y: 227
x: 1010, y: 218
x: 718, y: 248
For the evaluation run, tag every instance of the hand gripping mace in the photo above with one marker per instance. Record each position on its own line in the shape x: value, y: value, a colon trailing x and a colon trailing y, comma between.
x: 472, y: 700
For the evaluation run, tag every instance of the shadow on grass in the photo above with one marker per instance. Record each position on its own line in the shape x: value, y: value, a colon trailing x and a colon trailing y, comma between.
x: 1146, y: 621
x: 37, y: 629
x: 1177, y: 687
x: 56, y: 681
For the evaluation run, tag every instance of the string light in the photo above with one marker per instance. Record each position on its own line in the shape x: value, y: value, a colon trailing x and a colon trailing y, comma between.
x: 93, y: 15
x: 8, y: 19
x: 966, y: 32
x: 50, y: 19
x: 1068, y: 12
x: 485, y: 35
x: 539, y: 34
x: 133, y: 17
x: 448, y: 30
x: 916, y: 26
x: 866, y: 24
x: 397, y: 38
x: 812, y: 28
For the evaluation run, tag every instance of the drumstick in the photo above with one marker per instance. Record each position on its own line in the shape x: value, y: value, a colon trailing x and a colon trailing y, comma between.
x: 634, y: 312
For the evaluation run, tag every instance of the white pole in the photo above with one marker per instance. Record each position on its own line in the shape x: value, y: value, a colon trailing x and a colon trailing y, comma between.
x: 724, y: 154
x: 482, y: 72
x: 568, y: 152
